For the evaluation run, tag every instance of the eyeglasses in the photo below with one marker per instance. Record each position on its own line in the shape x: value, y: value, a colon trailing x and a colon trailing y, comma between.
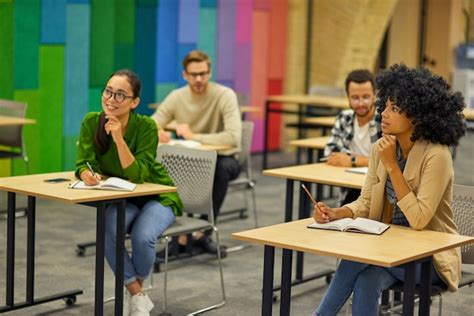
x: 119, y: 97
x: 194, y: 75
x: 365, y: 99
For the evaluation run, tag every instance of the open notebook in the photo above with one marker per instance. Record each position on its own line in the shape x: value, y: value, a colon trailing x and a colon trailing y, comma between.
x: 112, y: 183
x: 361, y: 170
x: 185, y: 143
x: 358, y: 225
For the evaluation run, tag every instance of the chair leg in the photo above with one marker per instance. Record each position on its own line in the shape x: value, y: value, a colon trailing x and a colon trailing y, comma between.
x: 165, y: 275
x: 205, y: 309
x: 255, y: 217
x: 440, y: 306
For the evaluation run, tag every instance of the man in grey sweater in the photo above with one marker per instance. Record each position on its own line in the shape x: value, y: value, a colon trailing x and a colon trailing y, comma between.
x: 209, y: 113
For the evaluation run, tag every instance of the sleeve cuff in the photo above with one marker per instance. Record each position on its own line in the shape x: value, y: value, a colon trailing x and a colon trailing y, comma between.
x: 132, y: 171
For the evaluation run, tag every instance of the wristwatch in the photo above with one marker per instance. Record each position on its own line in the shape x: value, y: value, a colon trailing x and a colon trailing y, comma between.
x: 353, y: 161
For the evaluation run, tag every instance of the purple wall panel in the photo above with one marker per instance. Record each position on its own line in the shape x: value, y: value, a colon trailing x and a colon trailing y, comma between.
x: 225, y: 40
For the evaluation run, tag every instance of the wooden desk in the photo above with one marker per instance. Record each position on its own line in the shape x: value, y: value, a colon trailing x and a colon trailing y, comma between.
x: 34, y: 187
x: 324, y: 121
x: 301, y: 101
x: 469, y: 114
x: 319, y: 173
x: 311, y: 144
x: 11, y: 120
x: 413, y: 247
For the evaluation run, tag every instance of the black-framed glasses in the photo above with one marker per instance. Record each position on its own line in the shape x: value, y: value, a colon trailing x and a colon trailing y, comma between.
x: 202, y: 74
x: 119, y: 97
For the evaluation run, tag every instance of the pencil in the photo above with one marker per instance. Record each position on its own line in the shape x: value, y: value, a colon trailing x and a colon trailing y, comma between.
x: 309, y: 194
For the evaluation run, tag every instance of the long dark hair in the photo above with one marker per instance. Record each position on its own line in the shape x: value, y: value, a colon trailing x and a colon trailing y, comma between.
x: 101, y: 139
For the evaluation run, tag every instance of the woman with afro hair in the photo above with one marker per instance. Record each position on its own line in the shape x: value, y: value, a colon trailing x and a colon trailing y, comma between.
x: 409, y: 183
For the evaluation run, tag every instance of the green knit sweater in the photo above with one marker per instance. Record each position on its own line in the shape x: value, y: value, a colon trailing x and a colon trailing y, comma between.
x: 142, y: 139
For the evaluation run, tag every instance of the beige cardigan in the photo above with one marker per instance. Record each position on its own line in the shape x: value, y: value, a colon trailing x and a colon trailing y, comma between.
x: 429, y: 173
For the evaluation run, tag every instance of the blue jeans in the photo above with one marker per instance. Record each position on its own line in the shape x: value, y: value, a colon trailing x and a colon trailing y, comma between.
x: 367, y: 282
x: 144, y: 226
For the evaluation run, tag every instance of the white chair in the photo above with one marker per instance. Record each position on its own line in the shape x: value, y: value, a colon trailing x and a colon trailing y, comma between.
x: 192, y: 171
x: 245, y: 181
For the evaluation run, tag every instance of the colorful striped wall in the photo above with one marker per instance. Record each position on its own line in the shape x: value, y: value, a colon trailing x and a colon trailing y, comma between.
x: 56, y: 55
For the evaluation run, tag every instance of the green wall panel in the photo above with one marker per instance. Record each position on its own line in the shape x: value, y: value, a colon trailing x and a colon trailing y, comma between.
x: 95, y: 99
x: 31, y: 133
x: 102, y: 41
x: 207, y: 32
x: 123, y: 56
x: 51, y: 96
x: 69, y: 152
x: 6, y: 50
x: 26, y: 34
x: 163, y: 89
x: 125, y: 22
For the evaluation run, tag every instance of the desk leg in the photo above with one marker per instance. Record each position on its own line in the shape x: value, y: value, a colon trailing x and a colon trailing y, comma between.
x: 265, y: 136
x: 302, y: 212
x: 30, y: 250
x: 10, y: 291
x: 267, y: 293
x: 289, y: 200
x: 310, y: 153
x: 119, y: 253
x: 286, y: 282
x: 409, y: 289
x: 99, y: 261
x: 425, y: 287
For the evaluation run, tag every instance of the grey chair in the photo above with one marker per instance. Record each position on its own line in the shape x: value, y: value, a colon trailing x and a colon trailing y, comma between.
x: 463, y: 209
x: 11, y: 136
x: 192, y: 171
x: 245, y: 182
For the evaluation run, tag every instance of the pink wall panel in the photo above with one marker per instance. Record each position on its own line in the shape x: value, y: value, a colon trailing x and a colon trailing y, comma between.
x: 244, y: 21
x: 259, y: 80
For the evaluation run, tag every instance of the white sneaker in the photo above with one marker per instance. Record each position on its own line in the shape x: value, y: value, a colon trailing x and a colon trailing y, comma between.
x: 140, y: 305
x: 126, y: 302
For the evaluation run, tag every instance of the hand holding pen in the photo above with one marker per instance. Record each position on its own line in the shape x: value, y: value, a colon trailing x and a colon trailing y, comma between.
x: 321, y: 212
x: 89, y: 176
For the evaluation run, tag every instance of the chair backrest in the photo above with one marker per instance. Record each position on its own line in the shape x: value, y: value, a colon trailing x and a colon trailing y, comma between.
x: 463, y: 209
x: 192, y: 171
x: 11, y: 135
x: 246, y: 144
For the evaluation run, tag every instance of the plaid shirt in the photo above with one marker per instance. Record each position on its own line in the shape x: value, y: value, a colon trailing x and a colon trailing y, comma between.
x: 343, y: 132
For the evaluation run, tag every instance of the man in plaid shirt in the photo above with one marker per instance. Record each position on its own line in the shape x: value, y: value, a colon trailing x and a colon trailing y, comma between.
x: 356, y: 129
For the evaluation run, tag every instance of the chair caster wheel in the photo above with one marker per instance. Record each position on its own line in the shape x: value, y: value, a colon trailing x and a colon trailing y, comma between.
x: 70, y: 301
x: 80, y: 252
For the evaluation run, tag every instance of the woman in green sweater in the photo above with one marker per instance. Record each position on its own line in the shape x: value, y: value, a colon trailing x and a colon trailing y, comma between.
x: 121, y: 143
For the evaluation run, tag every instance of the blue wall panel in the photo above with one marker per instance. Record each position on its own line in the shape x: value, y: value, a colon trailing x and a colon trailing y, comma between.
x: 188, y: 21
x: 76, y: 67
x: 53, y: 21
x: 167, y: 46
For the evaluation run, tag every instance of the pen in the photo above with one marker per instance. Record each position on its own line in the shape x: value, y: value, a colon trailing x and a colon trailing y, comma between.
x: 309, y: 194
x: 90, y: 168
x: 323, y: 159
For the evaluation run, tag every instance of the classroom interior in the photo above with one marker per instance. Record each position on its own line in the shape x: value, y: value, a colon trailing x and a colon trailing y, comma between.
x: 56, y: 56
